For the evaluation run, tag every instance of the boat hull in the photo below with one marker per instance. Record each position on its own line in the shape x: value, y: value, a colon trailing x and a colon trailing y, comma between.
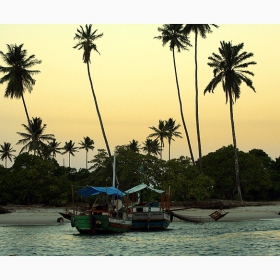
x: 96, y: 224
x: 150, y: 220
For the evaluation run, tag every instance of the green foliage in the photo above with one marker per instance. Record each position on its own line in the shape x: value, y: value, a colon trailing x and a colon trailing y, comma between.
x: 33, y: 180
x: 255, y: 180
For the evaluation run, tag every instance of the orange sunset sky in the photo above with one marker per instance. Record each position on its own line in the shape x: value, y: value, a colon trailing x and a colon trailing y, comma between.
x: 135, y: 85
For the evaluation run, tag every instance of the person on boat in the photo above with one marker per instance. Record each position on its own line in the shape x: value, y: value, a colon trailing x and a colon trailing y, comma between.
x: 114, y: 214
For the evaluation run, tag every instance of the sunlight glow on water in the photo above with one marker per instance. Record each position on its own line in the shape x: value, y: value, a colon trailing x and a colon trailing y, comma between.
x: 251, y: 238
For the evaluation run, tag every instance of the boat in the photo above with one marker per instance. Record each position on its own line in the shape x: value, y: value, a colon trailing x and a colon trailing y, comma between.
x: 108, y: 218
x: 66, y: 215
x: 150, y: 215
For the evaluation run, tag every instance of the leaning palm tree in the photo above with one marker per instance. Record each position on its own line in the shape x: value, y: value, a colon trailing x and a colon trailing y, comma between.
x: 173, y: 33
x: 86, y: 38
x: 229, y: 70
x: 33, y: 138
x: 70, y: 148
x: 6, y: 152
x: 151, y: 146
x: 202, y: 30
x: 53, y: 147
x: 87, y: 144
x: 18, y: 77
x: 160, y: 133
x: 171, y: 129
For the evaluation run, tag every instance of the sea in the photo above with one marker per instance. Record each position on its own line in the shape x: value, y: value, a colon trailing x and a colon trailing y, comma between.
x: 200, y: 250
x: 246, y: 238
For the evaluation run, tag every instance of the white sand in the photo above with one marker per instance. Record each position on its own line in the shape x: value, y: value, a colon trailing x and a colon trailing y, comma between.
x: 31, y: 216
x: 238, y: 213
x: 37, y: 215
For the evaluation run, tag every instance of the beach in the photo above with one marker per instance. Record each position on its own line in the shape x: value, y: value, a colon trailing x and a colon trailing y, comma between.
x: 31, y: 215
x: 40, y: 215
x: 237, y: 214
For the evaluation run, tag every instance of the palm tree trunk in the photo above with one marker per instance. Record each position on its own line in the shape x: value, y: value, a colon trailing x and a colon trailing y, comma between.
x: 235, y: 150
x: 100, y: 119
x: 181, y: 109
x: 69, y: 159
x: 196, y: 108
x: 86, y: 158
x: 169, y: 146
x: 161, y: 148
x: 30, y: 127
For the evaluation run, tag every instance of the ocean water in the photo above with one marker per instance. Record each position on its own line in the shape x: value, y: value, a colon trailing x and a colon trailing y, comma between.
x: 247, y: 238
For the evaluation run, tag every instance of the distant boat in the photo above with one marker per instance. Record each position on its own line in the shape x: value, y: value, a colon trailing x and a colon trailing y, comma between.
x: 149, y: 215
x: 67, y: 215
x: 102, y: 219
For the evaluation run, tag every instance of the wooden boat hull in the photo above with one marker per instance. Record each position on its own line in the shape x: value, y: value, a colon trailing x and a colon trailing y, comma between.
x: 66, y: 215
x: 150, y: 220
x: 99, y: 224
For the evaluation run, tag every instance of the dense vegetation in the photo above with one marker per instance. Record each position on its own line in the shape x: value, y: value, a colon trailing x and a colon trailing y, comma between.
x: 33, y: 180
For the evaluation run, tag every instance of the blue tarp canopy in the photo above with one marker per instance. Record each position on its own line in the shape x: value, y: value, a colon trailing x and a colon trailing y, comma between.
x: 142, y: 187
x: 87, y: 191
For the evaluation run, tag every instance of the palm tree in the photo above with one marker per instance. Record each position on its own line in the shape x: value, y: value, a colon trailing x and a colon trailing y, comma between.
x: 202, y: 30
x: 87, y: 145
x: 229, y: 70
x: 134, y: 146
x: 34, y: 137
x: 151, y: 146
x: 70, y: 148
x: 53, y: 147
x: 160, y: 133
x: 18, y: 77
x: 86, y: 40
x: 171, y: 129
x: 173, y: 33
x: 6, y: 152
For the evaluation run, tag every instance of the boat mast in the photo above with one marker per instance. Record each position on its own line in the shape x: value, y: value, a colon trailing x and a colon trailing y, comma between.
x: 114, y: 183
x: 114, y: 170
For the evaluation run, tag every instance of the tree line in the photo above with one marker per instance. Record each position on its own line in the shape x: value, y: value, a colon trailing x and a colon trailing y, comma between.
x: 33, y: 180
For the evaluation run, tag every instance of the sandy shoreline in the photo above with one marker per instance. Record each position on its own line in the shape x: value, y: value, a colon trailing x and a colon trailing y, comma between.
x: 38, y: 215
x: 239, y: 213
x: 33, y: 215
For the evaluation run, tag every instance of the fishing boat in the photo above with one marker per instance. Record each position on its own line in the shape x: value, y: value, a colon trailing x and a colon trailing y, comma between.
x: 111, y: 217
x: 150, y: 215
x: 107, y: 218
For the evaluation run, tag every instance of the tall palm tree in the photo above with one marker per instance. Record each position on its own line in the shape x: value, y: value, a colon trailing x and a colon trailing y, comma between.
x: 151, y: 146
x: 6, y: 152
x: 173, y: 33
x: 87, y: 144
x: 18, y: 77
x: 202, y: 30
x: 160, y: 133
x: 171, y: 129
x: 34, y: 137
x: 86, y: 41
x: 53, y: 147
x: 134, y: 146
x: 70, y: 148
x: 229, y: 70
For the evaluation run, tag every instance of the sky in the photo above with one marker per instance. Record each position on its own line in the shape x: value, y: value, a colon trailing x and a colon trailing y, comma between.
x: 134, y: 82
